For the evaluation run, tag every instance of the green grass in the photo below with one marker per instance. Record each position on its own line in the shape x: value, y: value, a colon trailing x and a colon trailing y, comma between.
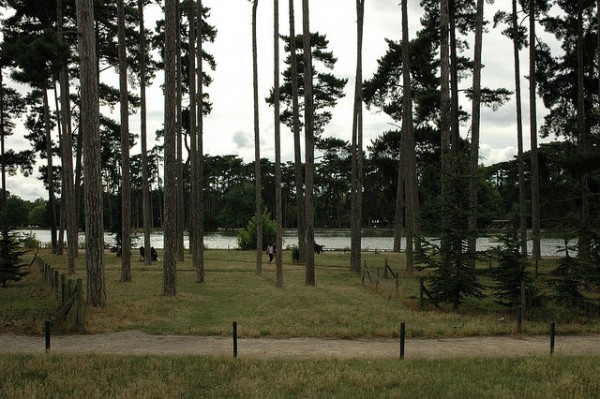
x: 338, y: 307
x: 103, y: 376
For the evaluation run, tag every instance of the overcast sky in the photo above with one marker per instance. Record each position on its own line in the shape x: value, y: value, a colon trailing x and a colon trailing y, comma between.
x: 229, y: 128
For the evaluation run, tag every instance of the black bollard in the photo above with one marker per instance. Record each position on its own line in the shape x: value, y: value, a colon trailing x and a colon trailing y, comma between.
x: 47, y: 334
x: 402, y: 338
x: 235, y: 346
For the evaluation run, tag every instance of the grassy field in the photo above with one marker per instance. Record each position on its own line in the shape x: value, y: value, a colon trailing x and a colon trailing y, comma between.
x: 101, y: 376
x: 338, y: 307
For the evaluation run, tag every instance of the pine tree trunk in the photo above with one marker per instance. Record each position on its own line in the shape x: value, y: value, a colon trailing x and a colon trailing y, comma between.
x: 50, y: 171
x: 298, y: 177
x: 535, y: 180
x: 356, y: 199
x: 125, y: 159
x: 146, y: 209
x: 310, y: 146
x: 475, y: 124
x: 582, y: 144
x: 520, y: 160
x: 278, y: 208
x: 90, y: 132
x: 193, y: 130
x: 170, y: 174
x: 180, y: 182
x: 68, y: 204
x: 445, y: 125
x: 257, y: 166
x: 413, y: 224
x: 199, y: 263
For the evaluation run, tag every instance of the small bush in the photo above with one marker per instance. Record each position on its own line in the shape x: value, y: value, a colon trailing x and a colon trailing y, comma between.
x: 247, y: 237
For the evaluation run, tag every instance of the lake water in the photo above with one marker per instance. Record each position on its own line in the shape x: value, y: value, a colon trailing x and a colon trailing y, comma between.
x: 335, y: 240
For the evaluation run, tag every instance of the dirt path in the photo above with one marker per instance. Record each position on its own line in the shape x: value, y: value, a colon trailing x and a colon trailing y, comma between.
x: 137, y: 343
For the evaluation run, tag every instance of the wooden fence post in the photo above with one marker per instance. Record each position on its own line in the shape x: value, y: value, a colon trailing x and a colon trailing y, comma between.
x: 62, y: 289
x: 55, y: 288
x: 80, y: 321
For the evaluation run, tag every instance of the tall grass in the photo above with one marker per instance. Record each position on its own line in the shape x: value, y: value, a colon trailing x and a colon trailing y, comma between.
x: 103, y: 376
x: 339, y: 306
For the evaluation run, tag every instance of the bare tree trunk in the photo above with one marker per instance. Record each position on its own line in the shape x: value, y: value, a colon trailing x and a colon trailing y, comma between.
x: 278, y: 208
x: 445, y: 123
x: 180, y: 182
x: 582, y: 144
x: 454, y: 103
x: 90, y: 132
x: 413, y: 224
x: 257, y: 166
x: 475, y: 124
x: 193, y: 130
x: 50, y: 170
x: 68, y: 203
x: 520, y: 160
x: 356, y: 198
x: 60, y: 250
x: 146, y: 210
x: 310, y: 145
x: 200, y: 160
x: 399, y: 211
x: 125, y: 159
x: 535, y: 179
x: 170, y: 186
x: 299, y: 181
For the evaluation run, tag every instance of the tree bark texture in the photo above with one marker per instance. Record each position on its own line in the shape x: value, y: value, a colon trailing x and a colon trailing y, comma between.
x: 278, y: 207
x: 356, y: 199
x: 310, y: 146
x: 170, y: 173
x: 413, y: 219
x: 257, y: 166
x: 68, y: 204
x: 90, y: 132
x: 445, y: 123
x: 519, y: 113
x: 535, y: 179
x: 475, y: 124
x: 147, y: 216
x: 298, y: 178
x: 199, y: 161
x: 125, y: 159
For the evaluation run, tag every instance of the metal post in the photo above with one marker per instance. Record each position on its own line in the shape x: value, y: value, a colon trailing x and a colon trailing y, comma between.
x: 402, y: 338
x: 235, y: 344
x: 519, y: 319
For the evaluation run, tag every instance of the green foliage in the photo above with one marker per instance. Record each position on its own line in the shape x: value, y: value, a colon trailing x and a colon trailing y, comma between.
x: 238, y: 206
x: 573, y: 277
x: 453, y: 276
x: 30, y: 242
x: 10, y: 258
x: 247, y: 237
x: 510, y: 272
x: 38, y: 216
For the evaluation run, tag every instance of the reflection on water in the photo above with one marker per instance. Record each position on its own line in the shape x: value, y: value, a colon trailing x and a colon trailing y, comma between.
x: 335, y: 241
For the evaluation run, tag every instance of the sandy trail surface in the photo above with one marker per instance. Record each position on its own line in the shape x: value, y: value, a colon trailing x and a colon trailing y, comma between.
x: 139, y: 343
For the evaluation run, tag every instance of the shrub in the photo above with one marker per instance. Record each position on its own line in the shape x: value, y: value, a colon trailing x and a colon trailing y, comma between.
x: 246, y: 238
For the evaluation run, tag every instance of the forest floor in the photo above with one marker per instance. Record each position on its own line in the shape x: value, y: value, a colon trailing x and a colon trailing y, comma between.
x: 139, y: 343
